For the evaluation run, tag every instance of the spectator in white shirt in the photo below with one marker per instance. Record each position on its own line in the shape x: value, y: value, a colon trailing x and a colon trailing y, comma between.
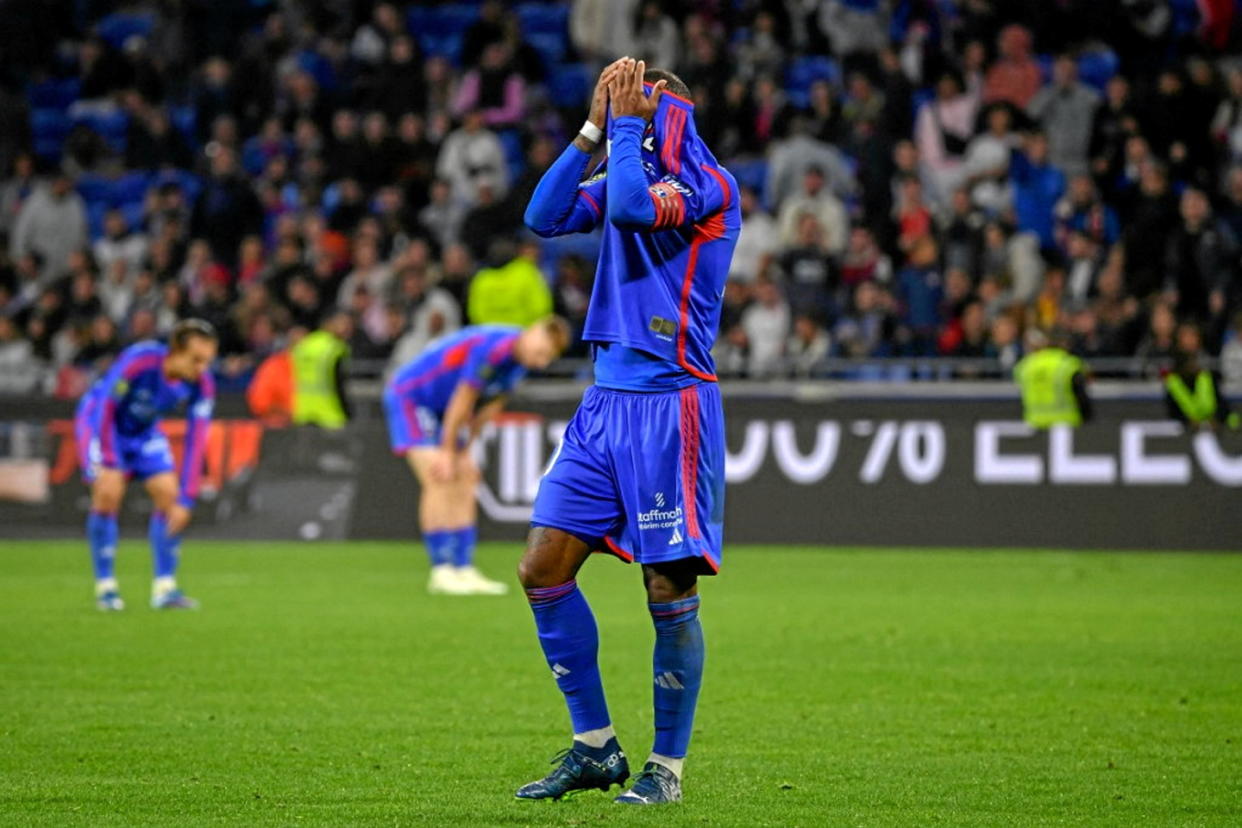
x: 757, y: 242
x: 817, y: 200
x: 766, y: 323
x: 118, y: 243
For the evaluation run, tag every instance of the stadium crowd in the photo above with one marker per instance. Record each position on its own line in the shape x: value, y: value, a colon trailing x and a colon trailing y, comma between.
x: 920, y: 177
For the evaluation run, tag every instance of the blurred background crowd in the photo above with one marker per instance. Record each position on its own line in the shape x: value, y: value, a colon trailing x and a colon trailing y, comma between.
x: 921, y: 178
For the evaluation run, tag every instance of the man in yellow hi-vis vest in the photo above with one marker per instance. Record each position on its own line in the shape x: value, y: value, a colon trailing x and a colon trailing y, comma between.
x: 1053, y: 383
x: 1192, y: 393
x: 318, y: 363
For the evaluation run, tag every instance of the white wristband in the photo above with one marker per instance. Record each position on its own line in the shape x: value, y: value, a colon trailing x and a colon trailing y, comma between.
x: 591, y: 132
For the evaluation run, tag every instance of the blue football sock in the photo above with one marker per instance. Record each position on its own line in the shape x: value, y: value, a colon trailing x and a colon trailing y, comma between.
x: 165, y: 548
x: 678, y: 664
x: 102, y: 533
x: 570, y: 643
x: 439, y: 547
x: 463, y: 549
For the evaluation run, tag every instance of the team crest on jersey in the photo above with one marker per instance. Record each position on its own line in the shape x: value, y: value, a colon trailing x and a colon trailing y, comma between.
x: 677, y: 184
x: 599, y: 176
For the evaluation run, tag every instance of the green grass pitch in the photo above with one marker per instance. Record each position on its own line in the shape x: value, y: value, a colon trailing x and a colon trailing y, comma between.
x: 320, y: 685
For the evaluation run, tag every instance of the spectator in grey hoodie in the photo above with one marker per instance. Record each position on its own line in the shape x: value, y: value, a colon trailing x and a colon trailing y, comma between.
x: 1066, y: 109
x: 52, y: 223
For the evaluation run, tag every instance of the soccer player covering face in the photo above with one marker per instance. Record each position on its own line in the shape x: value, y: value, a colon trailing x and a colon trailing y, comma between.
x: 640, y: 473
x: 118, y: 439
x: 436, y: 405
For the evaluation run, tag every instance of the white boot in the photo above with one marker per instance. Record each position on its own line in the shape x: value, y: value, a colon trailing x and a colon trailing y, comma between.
x: 478, y: 583
x: 445, y: 580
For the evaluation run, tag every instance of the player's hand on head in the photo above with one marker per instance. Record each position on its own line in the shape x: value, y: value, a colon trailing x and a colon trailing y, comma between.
x: 626, y: 92
x: 599, y: 101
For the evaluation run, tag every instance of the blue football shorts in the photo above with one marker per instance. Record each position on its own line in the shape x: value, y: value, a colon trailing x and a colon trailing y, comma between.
x: 641, y: 475
x: 410, y: 425
x: 140, y: 455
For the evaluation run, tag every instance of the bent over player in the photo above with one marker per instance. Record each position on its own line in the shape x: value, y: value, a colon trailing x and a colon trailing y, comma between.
x: 436, y: 405
x: 640, y: 472
x: 118, y: 438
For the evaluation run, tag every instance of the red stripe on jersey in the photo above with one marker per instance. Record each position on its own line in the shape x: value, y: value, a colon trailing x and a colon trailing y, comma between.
x: 710, y: 229
x: 670, y: 206
x: 690, y: 458
x: 724, y: 187
x: 674, y: 129
x: 686, y: 285
x: 591, y: 202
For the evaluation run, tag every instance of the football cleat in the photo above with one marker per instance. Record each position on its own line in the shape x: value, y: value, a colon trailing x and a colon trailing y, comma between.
x: 444, y: 580
x: 580, y: 768
x: 654, y: 786
x: 173, y: 599
x: 109, y: 601
x: 478, y: 583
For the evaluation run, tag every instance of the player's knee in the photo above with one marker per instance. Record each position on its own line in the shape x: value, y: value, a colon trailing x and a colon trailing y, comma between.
x: 671, y: 581
x: 163, y: 494
x: 106, y: 499
x: 107, y: 492
x: 533, y: 573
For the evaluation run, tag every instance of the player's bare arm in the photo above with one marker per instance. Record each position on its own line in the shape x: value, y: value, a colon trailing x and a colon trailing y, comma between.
x: 445, y: 466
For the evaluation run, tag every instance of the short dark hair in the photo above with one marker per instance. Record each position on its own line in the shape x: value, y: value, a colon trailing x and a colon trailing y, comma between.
x: 673, y: 83
x: 188, y: 329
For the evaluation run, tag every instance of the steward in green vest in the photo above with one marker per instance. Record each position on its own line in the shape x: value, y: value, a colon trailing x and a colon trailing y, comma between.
x: 1054, y: 385
x: 1192, y: 395
x: 318, y: 363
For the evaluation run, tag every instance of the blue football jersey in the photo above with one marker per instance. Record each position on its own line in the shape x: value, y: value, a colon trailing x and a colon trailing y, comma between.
x: 670, y: 218
x: 480, y: 356
x: 134, y: 395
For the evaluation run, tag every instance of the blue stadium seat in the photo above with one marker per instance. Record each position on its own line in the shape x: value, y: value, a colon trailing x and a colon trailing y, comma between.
x: 330, y: 199
x: 570, y: 84
x: 806, y: 71
x: 543, y: 18
x: 551, y: 47
x: 117, y: 28
x: 54, y: 94
x: 1045, y: 67
x: 95, y: 212
x: 919, y: 98
x: 49, y: 127
x: 515, y: 153
x: 752, y: 174
x: 446, y: 46
x: 95, y: 189
x: 437, y: 21
x: 111, y: 126
x: 318, y: 67
x: 50, y: 123
x: 1185, y: 16
x: 191, y: 185
x: 1097, y: 68
x: 130, y: 188
x: 134, y: 215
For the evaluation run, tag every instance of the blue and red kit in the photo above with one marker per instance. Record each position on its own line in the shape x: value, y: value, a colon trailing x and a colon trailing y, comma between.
x: 115, y: 424
x: 640, y: 472
x: 418, y: 394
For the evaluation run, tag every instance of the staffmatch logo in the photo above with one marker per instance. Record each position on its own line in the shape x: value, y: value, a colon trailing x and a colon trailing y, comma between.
x: 660, y: 517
